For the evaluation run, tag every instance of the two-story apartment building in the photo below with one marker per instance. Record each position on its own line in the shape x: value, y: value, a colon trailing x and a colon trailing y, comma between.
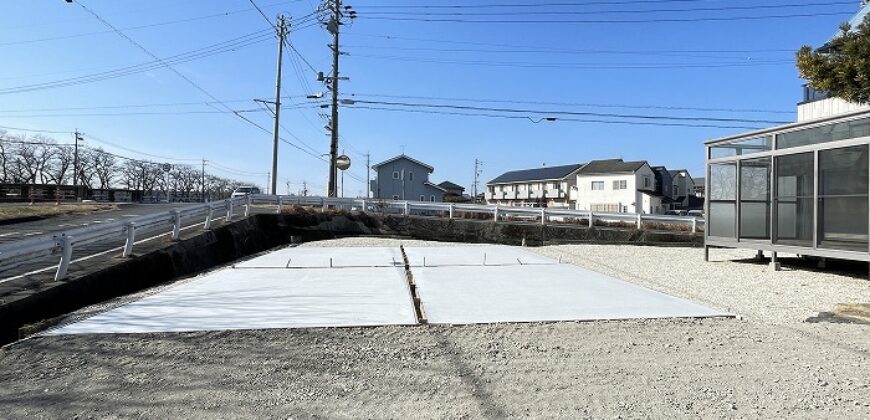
x: 405, y: 178
x: 538, y: 187
x: 616, y: 186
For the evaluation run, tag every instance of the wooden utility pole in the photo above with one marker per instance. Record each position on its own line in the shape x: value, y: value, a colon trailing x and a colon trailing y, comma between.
x: 282, y: 33
x: 202, y: 187
x: 368, y: 176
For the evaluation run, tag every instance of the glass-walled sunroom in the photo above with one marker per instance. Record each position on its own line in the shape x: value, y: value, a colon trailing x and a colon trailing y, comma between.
x: 799, y: 188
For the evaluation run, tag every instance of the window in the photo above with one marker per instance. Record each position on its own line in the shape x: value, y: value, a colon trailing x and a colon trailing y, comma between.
x: 432, y: 198
x: 554, y: 186
x: 723, y: 200
x: 422, y: 198
x: 620, y: 185
x: 396, y: 197
x: 597, y: 185
x: 794, y: 199
x: 645, y: 182
x: 843, y: 184
x: 826, y: 133
x: 410, y: 176
x: 676, y: 189
x: 395, y: 174
x: 741, y: 147
x: 755, y: 198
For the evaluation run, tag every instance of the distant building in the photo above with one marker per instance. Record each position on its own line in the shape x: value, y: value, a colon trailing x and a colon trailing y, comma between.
x: 539, y: 187
x: 817, y: 104
x: 683, y: 187
x: 452, y: 189
x: 615, y: 186
x: 699, y: 187
x: 405, y: 178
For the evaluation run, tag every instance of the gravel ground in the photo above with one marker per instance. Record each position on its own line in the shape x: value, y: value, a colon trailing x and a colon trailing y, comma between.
x: 768, y: 363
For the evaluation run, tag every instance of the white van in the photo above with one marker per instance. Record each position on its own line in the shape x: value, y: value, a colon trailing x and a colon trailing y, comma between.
x: 245, y: 190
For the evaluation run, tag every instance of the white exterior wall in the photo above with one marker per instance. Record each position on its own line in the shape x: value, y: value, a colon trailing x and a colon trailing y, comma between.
x: 629, y: 199
x: 826, y: 108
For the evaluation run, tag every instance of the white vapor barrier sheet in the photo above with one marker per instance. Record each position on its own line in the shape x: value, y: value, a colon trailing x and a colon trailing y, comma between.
x: 316, y: 257
x: 560, y: 292
x: 473, y: 256
x: 264, y: 298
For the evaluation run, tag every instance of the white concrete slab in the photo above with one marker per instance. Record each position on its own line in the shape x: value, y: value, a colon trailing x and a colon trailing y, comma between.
x: 264, y: 298
x: 519, y: 293
x: 316, y: 257
x: 473, y: 256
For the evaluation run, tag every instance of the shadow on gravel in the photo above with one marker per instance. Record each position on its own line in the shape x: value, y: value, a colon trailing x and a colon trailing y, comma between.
x: 853, y: 269
x: 476, y: 386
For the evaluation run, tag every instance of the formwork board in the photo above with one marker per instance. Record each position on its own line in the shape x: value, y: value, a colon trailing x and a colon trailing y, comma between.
x: 317, y: 257
x: 493, y: 255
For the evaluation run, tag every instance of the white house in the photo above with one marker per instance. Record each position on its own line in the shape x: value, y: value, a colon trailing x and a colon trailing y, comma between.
x: 818, y: 104
x: 615, y: 186
x: 539, y: 187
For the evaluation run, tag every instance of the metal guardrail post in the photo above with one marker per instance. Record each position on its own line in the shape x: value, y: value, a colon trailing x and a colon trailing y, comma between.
x: 450, y: 214
x: 543, y: 216
x: 591, y: 219
x: 694, y: 225
x: 248, y: 205
x: 131, y: 239
x: 209, y: 213
x: 495, y: 214
x: 639, y: 221
x: 407, y: 209
x: 176, y: 224
x: 65, y: 243
x: 280, y: 205
x: 323, y: 204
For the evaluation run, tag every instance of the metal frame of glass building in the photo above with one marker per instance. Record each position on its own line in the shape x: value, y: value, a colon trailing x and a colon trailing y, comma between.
x: 799, y: 188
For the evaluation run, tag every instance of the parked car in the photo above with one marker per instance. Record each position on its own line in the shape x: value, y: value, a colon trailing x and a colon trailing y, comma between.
x: 245, y: 190
x: 675, y: 213
x: 696, y: 213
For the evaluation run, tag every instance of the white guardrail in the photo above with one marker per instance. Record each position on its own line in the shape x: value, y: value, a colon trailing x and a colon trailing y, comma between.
x: 62, y: 243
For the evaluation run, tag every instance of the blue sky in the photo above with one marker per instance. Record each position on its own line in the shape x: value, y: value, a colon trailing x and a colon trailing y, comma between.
x: 671, y: 59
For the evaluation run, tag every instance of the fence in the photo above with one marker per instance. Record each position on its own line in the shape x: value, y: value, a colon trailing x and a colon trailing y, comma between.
x: 20, y: 252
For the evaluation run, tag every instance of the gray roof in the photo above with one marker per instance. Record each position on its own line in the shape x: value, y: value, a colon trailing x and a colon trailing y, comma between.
x: 406, y: 157
x: 676, y: 172
x: 700, y: 181
x: 609, y: 166
x: 447, y: 185
x: 537, y: 174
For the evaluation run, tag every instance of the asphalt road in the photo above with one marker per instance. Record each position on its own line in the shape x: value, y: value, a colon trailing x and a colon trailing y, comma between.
x: 50, y: 225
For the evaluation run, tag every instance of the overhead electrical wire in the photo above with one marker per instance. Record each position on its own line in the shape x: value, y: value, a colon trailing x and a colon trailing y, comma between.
x: 608, y: 21
x: 539, y: 4
x: 580, y: 104
x: 571, y: 113
x: 490, y: 115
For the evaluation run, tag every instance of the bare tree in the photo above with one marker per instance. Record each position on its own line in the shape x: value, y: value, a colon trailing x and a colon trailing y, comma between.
x: 59, y: 170
x: 104, y: 167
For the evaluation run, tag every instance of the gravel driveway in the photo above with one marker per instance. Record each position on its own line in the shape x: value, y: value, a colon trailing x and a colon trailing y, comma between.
x: 768, y: 363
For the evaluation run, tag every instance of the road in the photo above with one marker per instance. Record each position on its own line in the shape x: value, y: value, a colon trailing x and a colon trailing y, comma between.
x: 50, y: 225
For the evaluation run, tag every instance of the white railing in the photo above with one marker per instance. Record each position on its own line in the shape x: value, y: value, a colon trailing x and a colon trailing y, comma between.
x: 20, y: 252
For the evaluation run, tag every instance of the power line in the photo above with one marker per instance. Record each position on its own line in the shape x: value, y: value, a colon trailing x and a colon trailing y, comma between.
x: 618, y: 11
x: 611, y: 21
x: 221, y: 47
x: 600, y: 121
x: 581, y: 104
x: 551, y: 48
x: 542, y: 4
x: 586, y: 65
x: 571, y: 113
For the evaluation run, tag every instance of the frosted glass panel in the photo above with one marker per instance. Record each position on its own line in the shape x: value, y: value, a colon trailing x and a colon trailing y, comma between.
x: 722, y: 219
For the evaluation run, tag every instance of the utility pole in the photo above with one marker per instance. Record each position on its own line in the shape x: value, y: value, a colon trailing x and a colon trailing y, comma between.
x: 333, y: 25
x: 368, y: 176
x: 78, y: 137
x: 304, y: 188
x: 282, y: 34
x: 477, y: 164
x: 203, y: 181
